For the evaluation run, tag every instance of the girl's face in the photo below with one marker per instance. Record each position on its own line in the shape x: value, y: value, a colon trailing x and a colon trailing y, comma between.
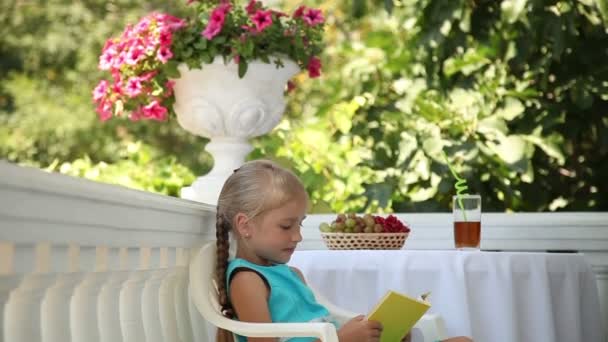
x: 272, y: 237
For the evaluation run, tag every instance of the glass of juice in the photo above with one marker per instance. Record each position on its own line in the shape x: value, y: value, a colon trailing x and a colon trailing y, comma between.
x: 467, y: 222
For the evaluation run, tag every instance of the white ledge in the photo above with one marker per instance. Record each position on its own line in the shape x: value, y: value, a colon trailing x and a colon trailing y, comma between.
x: 52, y: 207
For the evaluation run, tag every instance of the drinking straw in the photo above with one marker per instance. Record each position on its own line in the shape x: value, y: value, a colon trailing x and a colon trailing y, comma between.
x: 460, y: 186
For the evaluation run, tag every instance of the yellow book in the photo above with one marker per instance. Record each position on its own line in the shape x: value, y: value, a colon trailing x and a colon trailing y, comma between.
x: 398, y: 313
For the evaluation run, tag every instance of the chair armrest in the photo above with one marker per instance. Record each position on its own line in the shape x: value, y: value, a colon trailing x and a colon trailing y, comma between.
x: 326, y: 332
x: 339, y: 314
x: 430, y: 328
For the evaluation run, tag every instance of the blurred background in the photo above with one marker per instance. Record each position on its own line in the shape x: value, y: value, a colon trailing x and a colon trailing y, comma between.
x: 514, y: 91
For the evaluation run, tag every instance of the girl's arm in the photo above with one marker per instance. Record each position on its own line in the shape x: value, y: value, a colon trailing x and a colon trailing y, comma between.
x: 249, y: 297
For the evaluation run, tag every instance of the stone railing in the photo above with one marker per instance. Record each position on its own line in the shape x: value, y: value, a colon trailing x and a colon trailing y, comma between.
x: 97, y: 262
x: 83, y: 261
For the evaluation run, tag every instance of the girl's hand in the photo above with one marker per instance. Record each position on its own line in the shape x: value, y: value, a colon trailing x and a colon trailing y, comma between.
x: 360, y: 329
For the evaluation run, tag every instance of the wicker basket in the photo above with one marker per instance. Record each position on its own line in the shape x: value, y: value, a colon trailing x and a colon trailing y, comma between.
x: 364, y: 240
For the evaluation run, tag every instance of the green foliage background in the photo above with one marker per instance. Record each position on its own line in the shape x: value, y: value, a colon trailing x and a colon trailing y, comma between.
x: 516, y: 92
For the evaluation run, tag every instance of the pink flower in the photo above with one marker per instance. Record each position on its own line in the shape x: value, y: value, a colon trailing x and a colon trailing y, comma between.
x: 237, y: 59
x: 299, y: 11
x: 212, y: 30
x: 148, y: 76
x: 164, y: 54
x: 314, y: 67
x: 278, y: 14
x: 142, y: 26
x: 104, y: 110
x: 313, y: 17
x: 290, y: 86
x: 136, y: 115
x: 100, y: 90
x: 106, y: 60
x: 133, y: 87
x: 169, y: 88
x: 216, y: 22
x: 117, y: 87
x: 134, y: 55
x: 252, y: 7
x: 165, y: 38
x: 119, y: 60
x: 154, y: 111
x: 262, y: 19
x: 224, y: 8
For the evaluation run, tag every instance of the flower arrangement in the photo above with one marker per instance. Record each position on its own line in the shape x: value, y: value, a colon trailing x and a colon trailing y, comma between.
x: 143, y: 61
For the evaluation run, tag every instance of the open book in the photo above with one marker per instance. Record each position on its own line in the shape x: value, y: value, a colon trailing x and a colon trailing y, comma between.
x: 398, y: 313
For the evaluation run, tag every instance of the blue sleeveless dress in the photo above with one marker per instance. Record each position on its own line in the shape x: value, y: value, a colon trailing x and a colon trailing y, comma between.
x: 290, y: 300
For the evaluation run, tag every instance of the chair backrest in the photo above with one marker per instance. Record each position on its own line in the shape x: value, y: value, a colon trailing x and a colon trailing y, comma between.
x: 203, y: 290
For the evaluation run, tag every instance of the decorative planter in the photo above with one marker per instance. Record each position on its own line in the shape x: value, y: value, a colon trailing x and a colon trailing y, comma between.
x: 214, y: 102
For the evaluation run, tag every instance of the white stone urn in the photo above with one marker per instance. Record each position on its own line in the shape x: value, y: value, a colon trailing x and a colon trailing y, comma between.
x: 214, y: 102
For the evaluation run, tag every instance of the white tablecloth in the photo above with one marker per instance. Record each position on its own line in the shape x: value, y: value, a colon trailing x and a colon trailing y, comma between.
x: 490, y: 296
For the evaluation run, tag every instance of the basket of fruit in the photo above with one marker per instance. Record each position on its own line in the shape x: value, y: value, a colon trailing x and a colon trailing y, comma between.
x: 364, y: 232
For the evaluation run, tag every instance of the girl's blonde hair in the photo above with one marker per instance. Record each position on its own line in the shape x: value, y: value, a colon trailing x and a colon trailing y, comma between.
x: 252, y: 189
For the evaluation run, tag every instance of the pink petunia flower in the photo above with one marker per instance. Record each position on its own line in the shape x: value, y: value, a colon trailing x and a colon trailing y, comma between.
x: 100, y: 90
x: 224, y: 7
x: 313, y: 17
x: 142, y: 26
x: 212, y: 30
x: 262, y: 19
x: 116, y: 87
x: 216, y: 21
x: 133, y: 87
x: 165, y: 38
x: 148, y: 76
x: 136, y: 115
x: 314, y: 67
x: 252, y: 7
x: 104, y: 110
x: 164, y: 54
x: 299, y: 12
x: 290, y: 86
x: 106, y: 60
x: 154, y: 111
x: 169, y: 85
x: 134, y: 55
x: 119, y: 60
x: 278, y: 14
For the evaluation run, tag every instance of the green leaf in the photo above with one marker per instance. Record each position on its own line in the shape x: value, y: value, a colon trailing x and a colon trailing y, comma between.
x: 512, y: 9
x: 242, y: 67
x: 407, y: 146
x: 201, y: 44
x: 549, y: 145
x: 471, y: 61
x: 511, y: 149
x: 512, y: 109
x: 493, y: 127
x: 171, y: 69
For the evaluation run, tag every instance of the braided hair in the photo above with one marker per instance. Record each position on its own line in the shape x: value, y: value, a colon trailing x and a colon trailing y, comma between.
x: 255, y: 187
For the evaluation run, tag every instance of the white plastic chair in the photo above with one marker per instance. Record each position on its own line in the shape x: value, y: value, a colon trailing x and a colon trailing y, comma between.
x: 204, y: 296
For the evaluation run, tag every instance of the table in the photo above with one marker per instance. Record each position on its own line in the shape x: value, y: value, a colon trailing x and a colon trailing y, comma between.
x: 489, y: 296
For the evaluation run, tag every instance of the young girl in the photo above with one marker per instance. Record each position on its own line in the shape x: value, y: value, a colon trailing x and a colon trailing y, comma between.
x: 263, y: 205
